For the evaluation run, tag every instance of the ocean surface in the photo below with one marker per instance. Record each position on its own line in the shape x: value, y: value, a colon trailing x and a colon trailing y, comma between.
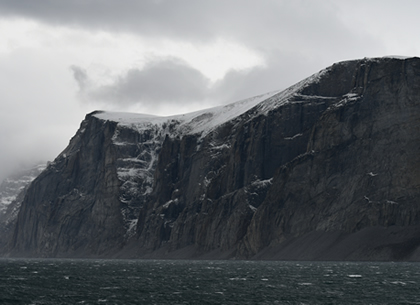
x: 54, y: 281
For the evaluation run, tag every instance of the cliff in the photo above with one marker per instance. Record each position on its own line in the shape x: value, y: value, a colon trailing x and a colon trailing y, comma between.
x: 12, y: 192
x: 327, y: 169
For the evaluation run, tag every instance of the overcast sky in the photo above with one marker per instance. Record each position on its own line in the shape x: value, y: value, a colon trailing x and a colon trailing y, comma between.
x: 61, y: 59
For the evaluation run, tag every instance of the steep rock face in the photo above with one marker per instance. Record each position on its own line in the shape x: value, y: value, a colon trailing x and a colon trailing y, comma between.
x: 361, y: 170
x: 208, y: 189
x: 73, y: 206
x: 318, y: 171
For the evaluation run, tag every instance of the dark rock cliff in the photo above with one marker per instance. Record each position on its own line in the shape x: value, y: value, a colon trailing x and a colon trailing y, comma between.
x: 327, y: 169
x: 360, y: 174
x: 73, y: 208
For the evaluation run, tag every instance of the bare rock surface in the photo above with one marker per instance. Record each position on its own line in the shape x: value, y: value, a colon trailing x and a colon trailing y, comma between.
x: 328, y: 169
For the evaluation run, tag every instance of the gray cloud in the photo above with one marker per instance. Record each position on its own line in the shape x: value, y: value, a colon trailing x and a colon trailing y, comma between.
x: 80, y: 76
x: 159, y: 82
x: 171, y: 81
x: 151, y: 17
x: 294, y: 37
x: 301, y: 24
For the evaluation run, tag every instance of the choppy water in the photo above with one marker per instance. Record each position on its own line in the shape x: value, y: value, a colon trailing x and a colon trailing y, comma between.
x: 206, y: 282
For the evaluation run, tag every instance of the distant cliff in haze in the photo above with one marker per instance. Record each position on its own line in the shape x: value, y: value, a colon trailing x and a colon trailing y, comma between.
x: 12, y: 192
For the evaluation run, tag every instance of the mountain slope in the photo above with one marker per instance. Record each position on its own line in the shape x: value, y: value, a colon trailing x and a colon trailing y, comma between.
x: 296, y: 174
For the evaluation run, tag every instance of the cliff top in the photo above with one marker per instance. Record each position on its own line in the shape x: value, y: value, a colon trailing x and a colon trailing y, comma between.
x: 204, y: 121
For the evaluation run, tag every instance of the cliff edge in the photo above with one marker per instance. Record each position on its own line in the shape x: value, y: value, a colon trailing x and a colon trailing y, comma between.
x: 325, y: 170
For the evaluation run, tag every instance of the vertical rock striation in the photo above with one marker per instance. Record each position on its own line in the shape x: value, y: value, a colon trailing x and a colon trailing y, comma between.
x: 73, y: 207
x: 327, y: 169
x: 360, y: 171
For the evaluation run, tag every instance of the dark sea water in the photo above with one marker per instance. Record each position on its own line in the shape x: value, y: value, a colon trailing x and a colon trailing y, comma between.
x: 206, y: 282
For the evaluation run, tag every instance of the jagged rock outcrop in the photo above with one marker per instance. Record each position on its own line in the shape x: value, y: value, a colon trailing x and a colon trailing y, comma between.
x: 327, y: 169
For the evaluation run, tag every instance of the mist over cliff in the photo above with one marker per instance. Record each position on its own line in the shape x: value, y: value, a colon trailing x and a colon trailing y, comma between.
x: 327, y: 169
